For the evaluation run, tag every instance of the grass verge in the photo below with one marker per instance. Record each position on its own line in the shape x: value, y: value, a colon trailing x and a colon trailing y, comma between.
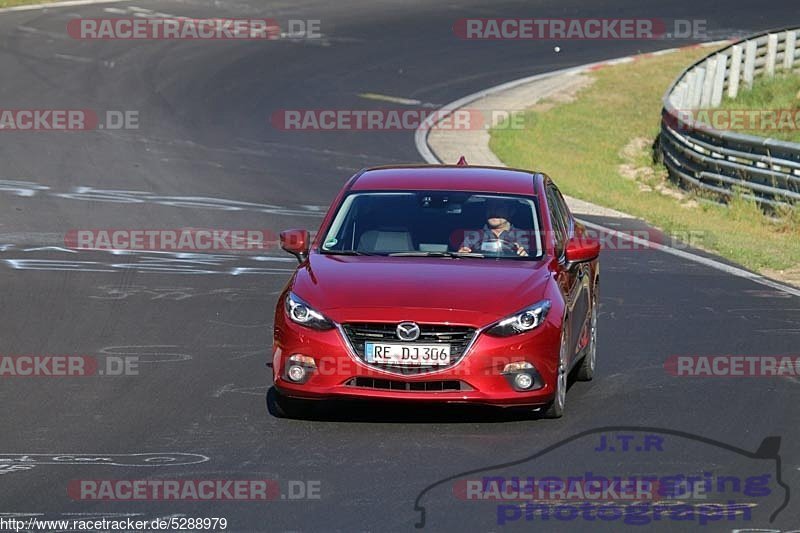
x: 598, y: 148
x: 780, y: 94
x: 12, y: 3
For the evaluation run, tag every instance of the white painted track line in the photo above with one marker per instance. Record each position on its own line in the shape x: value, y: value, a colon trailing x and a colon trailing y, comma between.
x: 48, y: 5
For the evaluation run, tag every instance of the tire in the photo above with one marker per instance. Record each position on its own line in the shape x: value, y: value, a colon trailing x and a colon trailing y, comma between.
x: 556, y: 407
x: 589, y: 362
x: 281, y: 406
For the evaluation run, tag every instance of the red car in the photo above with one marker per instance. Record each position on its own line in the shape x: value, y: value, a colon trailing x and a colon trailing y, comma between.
x: 438, y: 284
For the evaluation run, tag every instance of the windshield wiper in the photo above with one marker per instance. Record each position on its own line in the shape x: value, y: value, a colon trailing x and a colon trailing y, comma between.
x: 436, y: 254
x: 346, y: 252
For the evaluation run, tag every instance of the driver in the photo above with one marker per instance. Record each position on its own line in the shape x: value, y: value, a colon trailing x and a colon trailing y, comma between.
x: 498, y: 235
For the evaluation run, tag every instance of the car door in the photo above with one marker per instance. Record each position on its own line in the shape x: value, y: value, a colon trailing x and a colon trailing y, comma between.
x: 580, y: 275
x: 572, y: 279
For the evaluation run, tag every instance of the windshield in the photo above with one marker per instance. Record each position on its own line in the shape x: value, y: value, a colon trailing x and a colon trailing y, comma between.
x: 427, y: 223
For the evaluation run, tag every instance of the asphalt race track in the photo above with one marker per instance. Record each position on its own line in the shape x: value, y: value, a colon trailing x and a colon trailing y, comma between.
x: 205, y: 155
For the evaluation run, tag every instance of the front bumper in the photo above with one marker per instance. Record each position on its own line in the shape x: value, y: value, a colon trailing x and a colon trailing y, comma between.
x: 476, y: 378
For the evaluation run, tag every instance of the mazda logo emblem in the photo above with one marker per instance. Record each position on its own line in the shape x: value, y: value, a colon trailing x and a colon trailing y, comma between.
x: 407, y: 331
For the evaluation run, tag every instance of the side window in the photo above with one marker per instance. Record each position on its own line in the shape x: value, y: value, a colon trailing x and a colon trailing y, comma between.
x: 557, y: 221
x: 565, y: 213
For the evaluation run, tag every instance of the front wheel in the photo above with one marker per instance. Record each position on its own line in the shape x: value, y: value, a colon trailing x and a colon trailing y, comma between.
x: 282, y: 406
x: 586, y: 369
x: 556, y: 408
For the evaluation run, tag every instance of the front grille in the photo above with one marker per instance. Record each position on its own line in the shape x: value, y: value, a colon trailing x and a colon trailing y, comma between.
x: 409, y: 386
x: 458, y: 337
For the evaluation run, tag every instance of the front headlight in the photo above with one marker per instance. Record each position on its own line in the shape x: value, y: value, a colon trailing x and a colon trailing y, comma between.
x: 302, y: 313
x: 525, y: 320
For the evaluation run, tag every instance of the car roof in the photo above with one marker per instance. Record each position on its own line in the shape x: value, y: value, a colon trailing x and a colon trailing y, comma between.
x: 446, y: 178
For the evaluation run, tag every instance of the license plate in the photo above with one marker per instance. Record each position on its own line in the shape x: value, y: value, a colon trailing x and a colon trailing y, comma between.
x: 407, y: 354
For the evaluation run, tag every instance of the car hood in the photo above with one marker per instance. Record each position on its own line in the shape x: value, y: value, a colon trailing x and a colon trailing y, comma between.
x: 348, y: 288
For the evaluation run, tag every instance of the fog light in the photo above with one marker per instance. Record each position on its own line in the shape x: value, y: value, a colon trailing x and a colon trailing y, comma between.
x: 299, y: 368
x: 296, y: 373
x: 523, y: 381
x: 522, y: 376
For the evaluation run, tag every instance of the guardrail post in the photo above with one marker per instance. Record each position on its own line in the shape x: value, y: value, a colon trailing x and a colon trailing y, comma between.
x: 772, y: 54
x: 788, y: 54
x: 691, y: 89
x: 708, y: 82
x: 719, y: 80
x: 749, y: 62
x: 679, y: 96
x: 735, y: 72
x: 697, y: 90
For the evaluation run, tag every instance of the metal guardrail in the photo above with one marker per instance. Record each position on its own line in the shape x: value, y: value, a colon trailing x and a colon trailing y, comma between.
x: 697, y: 155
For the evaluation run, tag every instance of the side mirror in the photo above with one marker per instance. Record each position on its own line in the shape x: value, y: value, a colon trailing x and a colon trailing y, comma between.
x: 295, y: 241
x: 582, y: 249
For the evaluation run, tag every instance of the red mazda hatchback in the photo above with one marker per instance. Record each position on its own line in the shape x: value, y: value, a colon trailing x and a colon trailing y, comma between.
x: 439, y: 284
